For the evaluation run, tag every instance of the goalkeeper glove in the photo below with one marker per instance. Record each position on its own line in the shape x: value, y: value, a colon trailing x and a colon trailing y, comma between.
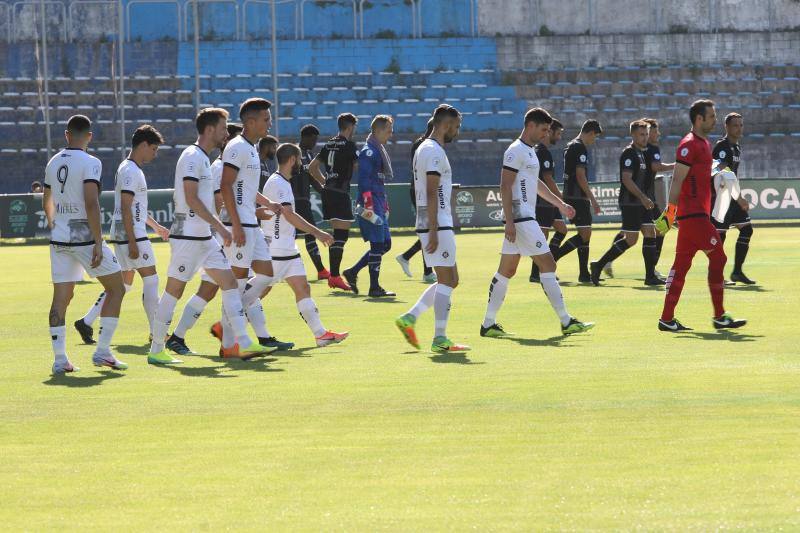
x: 667, y: 218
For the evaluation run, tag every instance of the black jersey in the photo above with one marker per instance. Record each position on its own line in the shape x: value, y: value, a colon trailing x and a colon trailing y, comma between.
x: 632, y: 160
x: 652, y: 154
x: 337, y: 157
x: 545, y: 163
x: 729, y: 153
x: 302, y: 180
x: 575, y: 156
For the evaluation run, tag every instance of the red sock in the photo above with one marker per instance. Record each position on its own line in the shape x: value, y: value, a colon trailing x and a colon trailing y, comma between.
x: 716, y: 280
x: 675, y: 281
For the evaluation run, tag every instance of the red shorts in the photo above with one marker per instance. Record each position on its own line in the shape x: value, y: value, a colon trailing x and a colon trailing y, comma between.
x: 696, y: 234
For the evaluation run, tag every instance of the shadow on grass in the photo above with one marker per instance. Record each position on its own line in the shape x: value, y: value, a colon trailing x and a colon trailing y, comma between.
x: 722, y: 335
x: 385, y: 300
x: 133, y: 349
x: 650, y: 288
x: 558, y: 340
x: 78, y: 381
x: 747, y: 288
x: 454, y: 358
x: 256, y: 364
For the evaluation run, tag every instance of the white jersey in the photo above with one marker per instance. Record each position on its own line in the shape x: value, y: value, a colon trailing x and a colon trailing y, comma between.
x: 129, y: 180
x: 65, y: 175
x: 193, y: 165
x: 243, y: 157
x: 216, y: 178
x: 280, y: 234
x: 521, y: 159
x: 431, y: 159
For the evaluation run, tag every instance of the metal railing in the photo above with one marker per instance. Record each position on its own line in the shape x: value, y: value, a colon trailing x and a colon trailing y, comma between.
x: 77, y: 4
x: 34, y: 5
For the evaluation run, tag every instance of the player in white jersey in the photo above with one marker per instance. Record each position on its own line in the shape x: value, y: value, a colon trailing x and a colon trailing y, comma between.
x: 433, y: 183
x: 129, y: 228
x: 519, y: 187
x: 248, y: 250
x: 72, y: 207
x: 280, y: 232
x: 192, y: 246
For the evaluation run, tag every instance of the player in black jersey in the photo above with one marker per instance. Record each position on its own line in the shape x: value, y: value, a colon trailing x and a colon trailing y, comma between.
x: 339, y: 157
x: 267, y: 147
x: 636, y: 207
x: 301, y: 182
x: 578, y: 194
x: 547, y: 214
x: 728, y: 152
x: 652, y: 156
x: 428, y: 275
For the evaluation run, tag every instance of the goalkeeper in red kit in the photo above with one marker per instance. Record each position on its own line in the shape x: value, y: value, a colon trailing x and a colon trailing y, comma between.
x: 690, y: 204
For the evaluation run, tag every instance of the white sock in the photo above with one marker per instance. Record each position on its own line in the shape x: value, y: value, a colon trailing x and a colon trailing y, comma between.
x: 310, y: 313
x: 441, y: 309
x: 228, y: 339
x: 191, y: 312
x: 150, y: 297
x: 128, y: 288
x: 232, y: 304
x: 425, y: 301
x: 94, y: 311
x: 58, y: 336
x: 108, y: 324
x: 255, y: 315
x: 553, y: 292
x: 255, y: 287
x: 497, y: 294
x: 163, y: 318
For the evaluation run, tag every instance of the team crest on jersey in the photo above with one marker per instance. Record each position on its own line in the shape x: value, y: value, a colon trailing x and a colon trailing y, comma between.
x: 181, y: 268
x: 684, y: 152
x: 547, y: 164
x: 445, y: 254
x: 722, y: 154
x: 538, y: 244
x: 239, y: 255
x: 145, y: 256
x: 627, y: 162
x: 583, y: 158
x: 713, y: 241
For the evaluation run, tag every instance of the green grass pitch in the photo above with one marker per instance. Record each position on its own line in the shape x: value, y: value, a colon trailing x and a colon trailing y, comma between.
x: 620, y: 428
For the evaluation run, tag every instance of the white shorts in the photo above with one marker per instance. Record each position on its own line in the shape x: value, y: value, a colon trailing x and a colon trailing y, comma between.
x: 530, y: 240
x: 255, y: 249
x: 189, y: 256
x: 146, y: 256
x: 68, y: 263
x: 445, y: 254
x: 287, y: 268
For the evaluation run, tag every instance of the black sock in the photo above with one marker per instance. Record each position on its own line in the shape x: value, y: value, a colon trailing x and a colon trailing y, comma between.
x: 649, y: 255
x: 571, y: 244
x: 617, y: 248
x: 722, y: 235
x: 534, y: 270
x: 411, y: 252
x: 337, y: 249
x: 555, y: 243
x: 742, y: 247
x: 313, y: 252
x: 583, y: 259
x: 426, y: 269
x: 374, y: 265
x: 659, y: 246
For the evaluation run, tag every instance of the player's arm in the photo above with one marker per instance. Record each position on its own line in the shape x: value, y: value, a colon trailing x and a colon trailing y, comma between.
x: 229, y: 174
x: 304, y: 225
x: 160, y: 230
x: 636, y: 192
x: 583, y: 183
x: 126, y: 205
x: 507, y: 177
x: 218, y: 202
x: 91, y: 199
x: 658, y: 166
x: 190, y: 186
x: 432, y: 187
x: 667, y: 218
x: 48, y: 206
x: 551, y: 196
x: 315, y: 171
x: 262, y: 200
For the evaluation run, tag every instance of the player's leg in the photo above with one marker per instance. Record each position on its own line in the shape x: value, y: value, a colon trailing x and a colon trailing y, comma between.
x: 303, y: 208
x: 191, y: 313
x: 551, y: 288
x: 716, y: 282
x: 380, y: 244
x: 62, y: 295
x: 627, y: 237
x: 298, y: 282
x: 407, y: 321
x: 149, y: 293
x: 534, y: 277
x: 448, y: 281
x: 740, y: 253
x: 114, y: 287
x: 649, y: 255
x: 341, y: 233
x: 84, y: 325
x: 584, y: 275
x: 405, y: 258
x: 685, y: 249
x: 560, y: 232
x: 498, y: 287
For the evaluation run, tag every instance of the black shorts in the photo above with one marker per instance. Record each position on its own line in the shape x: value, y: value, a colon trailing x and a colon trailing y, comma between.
x: 303, y: 208
x: 337, y: 205
x: 635, y: 216
x: 546, y: 213
x: 583, y: 212
x: 735, y: 215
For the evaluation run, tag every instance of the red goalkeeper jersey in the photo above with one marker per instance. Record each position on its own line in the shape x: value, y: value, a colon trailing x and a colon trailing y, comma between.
x: 695, y: 197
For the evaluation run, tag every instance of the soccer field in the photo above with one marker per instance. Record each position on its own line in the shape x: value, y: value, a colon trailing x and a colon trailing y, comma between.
x: 620, y: 428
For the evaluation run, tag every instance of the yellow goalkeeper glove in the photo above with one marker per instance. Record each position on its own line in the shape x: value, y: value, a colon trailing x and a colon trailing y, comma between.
x: 667, y: 218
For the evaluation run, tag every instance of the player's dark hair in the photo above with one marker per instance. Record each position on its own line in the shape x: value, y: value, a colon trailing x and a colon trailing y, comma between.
x: 234, y: 129
x: 269, y: 139
x: 209, y: 116
x: 556, y: 125
x: 698, y: 109
x: 637, y: 125
x: 731, y: 116
x: 345, y: 120
x: 146, y: 134
x: 537, y: 115
x: 444, y: 111
x: 253, y: 105
x: 285, y: 151
x: 79, y: 124
x: 36, y: 185
x: 651, y: 121
x: 309, y: 130
x: 380, y: 121
x: 591, y: 126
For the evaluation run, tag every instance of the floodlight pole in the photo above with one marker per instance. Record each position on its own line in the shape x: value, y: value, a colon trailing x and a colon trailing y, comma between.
x: 121, y: 40
x: 45, y: 78
x: 275, y: 113
x: 196, y: 23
